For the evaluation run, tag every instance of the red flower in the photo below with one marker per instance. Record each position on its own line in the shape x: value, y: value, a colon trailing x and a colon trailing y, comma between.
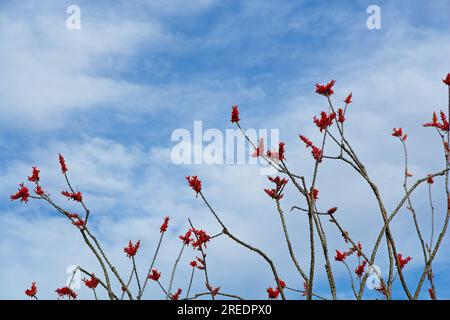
x: 73, y: 216
x: 92, y: 283
x: 281, y: 283
x: 281, y: 151
x: 32, y: 291
x: 360, y: 269
x: 131, y: 250
x: 62, y: 162
x: 358, y: 250
x: 348, y: 100
x: 165, y: 224
x: 213, y: 291
x: 306, y: 141
x: 75, y: 196
x: 430, y: 179
x: 35, y: 175
x: 332, y: 210
x: 381, y: 289
x: 260, y: 150
x: 326, y: 90
x: 66, y: 291
x: 39, y: 191
x: 194, y: 183
x: 444, y: 126
x: 325, y: 120
x: 431, y: 293
x: 23, y: 194
x: 273, y: 155
x: 315, y: 194
x: 187, y: 237
x: 155, y: 275
x: 201, y: 239
x: 176, y: 296
x: 78, y: 223
x: 316, y: 152
x: 447, y: 80
x: 235, y: 114
x: 397, y: 132
x: 273, y: 293
x: 403, y: 262
x: 193, y: 263
x: 279, y: 186
x: 341, y: 115
x: 340, y: 256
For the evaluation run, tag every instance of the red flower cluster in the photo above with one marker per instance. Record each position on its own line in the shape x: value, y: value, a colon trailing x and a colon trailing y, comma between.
x: 78, y: 222
x: 399, y: 133
x: 186, y: 238
x: 332, y: 210
x: 23, y: 194
x: 348, y: 100
x: 66, y: 291
x: 39, y: 191
x: 430, y: 291
x: 62, y: 162
x: 75, y: 196
x: 443, y: 125
x: 155, y: 275
x: 281, y: 151
x: 403, y: 262
x: 279, y: 186
x: 176, y: 295
x: 201, y: 239
x: 325, y: 120
x: 273, y: 293
x: 360, y: 269
x: 165, y: 224
x: 194, y: 183
x: 430, y: 179
x: 235, y: 114
x: 340, y: 256
x: 35, y: 175
x: 316, y: 152
x: 326, y: 90
x: 315, y: 194
x: 131, y: 250
x: 32, y: 291
x: 381, y: 289
x: 193, y: 263
x: 282, y: 283
x: 213, y: 291
x: 277, y: 155
x: 92, y: 283
x: 341, y: 115
x: 447, y: 80
x: 259, y: 151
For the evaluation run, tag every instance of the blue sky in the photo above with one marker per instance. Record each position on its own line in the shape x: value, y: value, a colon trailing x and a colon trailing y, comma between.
x: 109, y: 96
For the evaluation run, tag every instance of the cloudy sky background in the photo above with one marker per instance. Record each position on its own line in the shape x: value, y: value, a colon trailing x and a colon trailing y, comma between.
x: 110, y: 95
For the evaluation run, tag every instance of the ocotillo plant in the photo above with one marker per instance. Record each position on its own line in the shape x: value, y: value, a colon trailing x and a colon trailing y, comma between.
x: 331, y: 124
